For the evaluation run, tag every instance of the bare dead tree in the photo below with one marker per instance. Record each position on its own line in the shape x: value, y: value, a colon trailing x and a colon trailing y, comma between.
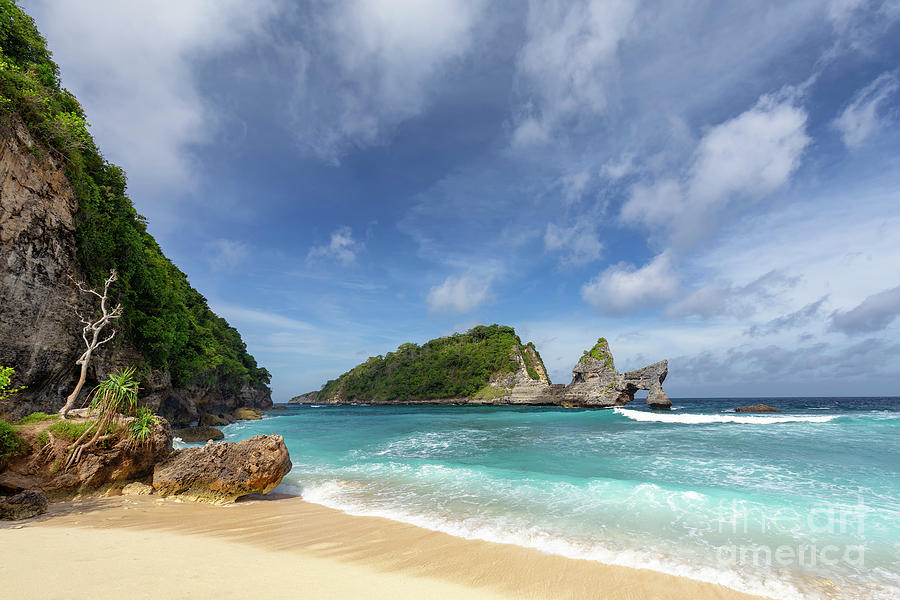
x: 91, y: 334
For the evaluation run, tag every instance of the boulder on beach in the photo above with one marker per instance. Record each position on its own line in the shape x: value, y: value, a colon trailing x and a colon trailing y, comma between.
x: 220, y: 473
x: 756, y: 408
x: 24, y: 505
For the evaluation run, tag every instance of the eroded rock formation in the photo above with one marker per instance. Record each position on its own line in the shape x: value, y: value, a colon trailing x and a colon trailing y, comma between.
x: 595, y: 381
x: 221, y: 473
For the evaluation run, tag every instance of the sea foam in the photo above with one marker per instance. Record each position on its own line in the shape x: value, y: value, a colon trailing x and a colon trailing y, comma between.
x: 331, y: 494
x: 697, y: 419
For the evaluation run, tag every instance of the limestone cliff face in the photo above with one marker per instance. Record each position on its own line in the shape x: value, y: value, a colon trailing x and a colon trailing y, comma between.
x: 40, y: 335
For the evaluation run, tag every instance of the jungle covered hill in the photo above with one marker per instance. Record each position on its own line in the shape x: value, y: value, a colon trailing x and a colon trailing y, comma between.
x: 456, y: 366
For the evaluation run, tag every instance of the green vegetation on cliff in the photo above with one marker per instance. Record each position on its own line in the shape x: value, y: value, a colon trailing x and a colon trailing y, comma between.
x: 167, y: 319
x: 456, y: 366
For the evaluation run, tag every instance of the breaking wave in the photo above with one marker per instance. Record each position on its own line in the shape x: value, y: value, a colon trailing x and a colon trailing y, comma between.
x: 639, y: 415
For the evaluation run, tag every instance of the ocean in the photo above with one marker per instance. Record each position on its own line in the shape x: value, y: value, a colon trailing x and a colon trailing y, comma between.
x: 801, y: 504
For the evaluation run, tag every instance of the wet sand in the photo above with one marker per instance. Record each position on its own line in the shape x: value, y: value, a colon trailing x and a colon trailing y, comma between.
x: 144, y: 547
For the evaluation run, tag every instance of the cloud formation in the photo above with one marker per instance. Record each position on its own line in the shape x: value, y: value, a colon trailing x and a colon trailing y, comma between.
x: 568, y: 62
x: 132, y: 67
x: 227, y: 255
x: 624, y: 288
x: 871, y: 315
x: 371, y: 64
x: 746, y: 157
x: 341, y: 248
x: 864, y: 117
x: 577, y: 245
x: 459, y: 294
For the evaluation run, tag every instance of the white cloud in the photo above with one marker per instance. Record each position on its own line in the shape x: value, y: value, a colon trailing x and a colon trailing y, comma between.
x: 624, y: 288
x: 131, y: 66
x: 719, y: 298
x: 248, y: 316
x: 459, y: 294
x: 861, y: 119
x: 617, y: 169
x: 872, y: 314
x: 342, y: 248
x: 746, y: 157
x: 578, y: 244
x: 569, y: 59
x: 372, y: 64
x: 227, y: 255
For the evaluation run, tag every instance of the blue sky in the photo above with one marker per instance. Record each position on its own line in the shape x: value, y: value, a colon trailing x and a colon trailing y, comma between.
x: 716, y: 183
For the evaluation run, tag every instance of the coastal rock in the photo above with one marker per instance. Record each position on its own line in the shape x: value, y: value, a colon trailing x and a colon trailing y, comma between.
x: 24, y: 505
x: 199, y: 434
x: 221, y: 473
x: 754, y: 408
x: 212, y: 420
x: 595, y: 381
x: 247, y: 414
x: 100, y: 470
x: 307, y: 398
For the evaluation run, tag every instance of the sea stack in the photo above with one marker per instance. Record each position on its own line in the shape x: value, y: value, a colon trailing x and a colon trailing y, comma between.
x: 595, y: 381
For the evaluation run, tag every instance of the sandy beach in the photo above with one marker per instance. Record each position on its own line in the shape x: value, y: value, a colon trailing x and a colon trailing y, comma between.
x: 143, y: 547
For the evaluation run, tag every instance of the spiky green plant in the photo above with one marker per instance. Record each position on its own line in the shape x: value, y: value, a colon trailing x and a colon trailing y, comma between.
x: 141, y: 427
x: 115, y: 394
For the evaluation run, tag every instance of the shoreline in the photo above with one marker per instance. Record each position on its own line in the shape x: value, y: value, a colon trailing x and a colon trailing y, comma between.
x: 288, y: 545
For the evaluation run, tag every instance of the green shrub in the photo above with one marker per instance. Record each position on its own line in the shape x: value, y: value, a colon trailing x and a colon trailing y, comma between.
x: 6, y: 375
x: 11, y: 443
x: 490, y: 392
x: 141, y: 427
x: 37, y: 417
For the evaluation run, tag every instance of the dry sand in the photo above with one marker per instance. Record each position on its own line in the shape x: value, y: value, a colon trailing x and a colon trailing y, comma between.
x: 142, y: 547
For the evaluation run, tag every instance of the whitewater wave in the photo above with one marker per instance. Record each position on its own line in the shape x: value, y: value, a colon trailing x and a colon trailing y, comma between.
x: 333, y: 495
x: 639, y: 415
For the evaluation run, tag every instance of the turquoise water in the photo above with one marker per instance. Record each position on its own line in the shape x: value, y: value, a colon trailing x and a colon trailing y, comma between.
x: 797, y: 505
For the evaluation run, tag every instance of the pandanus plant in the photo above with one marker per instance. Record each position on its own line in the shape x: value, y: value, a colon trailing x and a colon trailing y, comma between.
x: 115, y: 394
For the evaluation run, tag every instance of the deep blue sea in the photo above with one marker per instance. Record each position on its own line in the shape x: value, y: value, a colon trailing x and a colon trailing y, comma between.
x: 801, y: 504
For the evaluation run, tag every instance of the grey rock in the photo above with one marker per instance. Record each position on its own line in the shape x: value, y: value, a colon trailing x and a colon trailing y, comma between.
x: 24, y: 505
x: 200, y: 433
x: 595, y: 381
x: 307, y: 398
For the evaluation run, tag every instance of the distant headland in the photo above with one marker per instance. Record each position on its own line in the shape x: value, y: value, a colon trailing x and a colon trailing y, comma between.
x: 489, y: 365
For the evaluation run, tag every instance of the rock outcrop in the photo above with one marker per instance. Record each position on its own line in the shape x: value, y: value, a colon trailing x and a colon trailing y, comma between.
x: 40, y: 335
x: 24, y: 505
x: 595, y: 381
x: 201, y: 433
x: 307, y: 398
x: 98, y: 470
x: 221, y: 473
x: 755, y: 408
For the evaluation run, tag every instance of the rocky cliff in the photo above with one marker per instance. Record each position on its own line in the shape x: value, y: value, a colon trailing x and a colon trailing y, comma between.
x: 40, y: 335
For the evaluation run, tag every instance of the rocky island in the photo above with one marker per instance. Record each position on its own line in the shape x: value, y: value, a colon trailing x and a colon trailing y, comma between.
x: 489, y: 365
